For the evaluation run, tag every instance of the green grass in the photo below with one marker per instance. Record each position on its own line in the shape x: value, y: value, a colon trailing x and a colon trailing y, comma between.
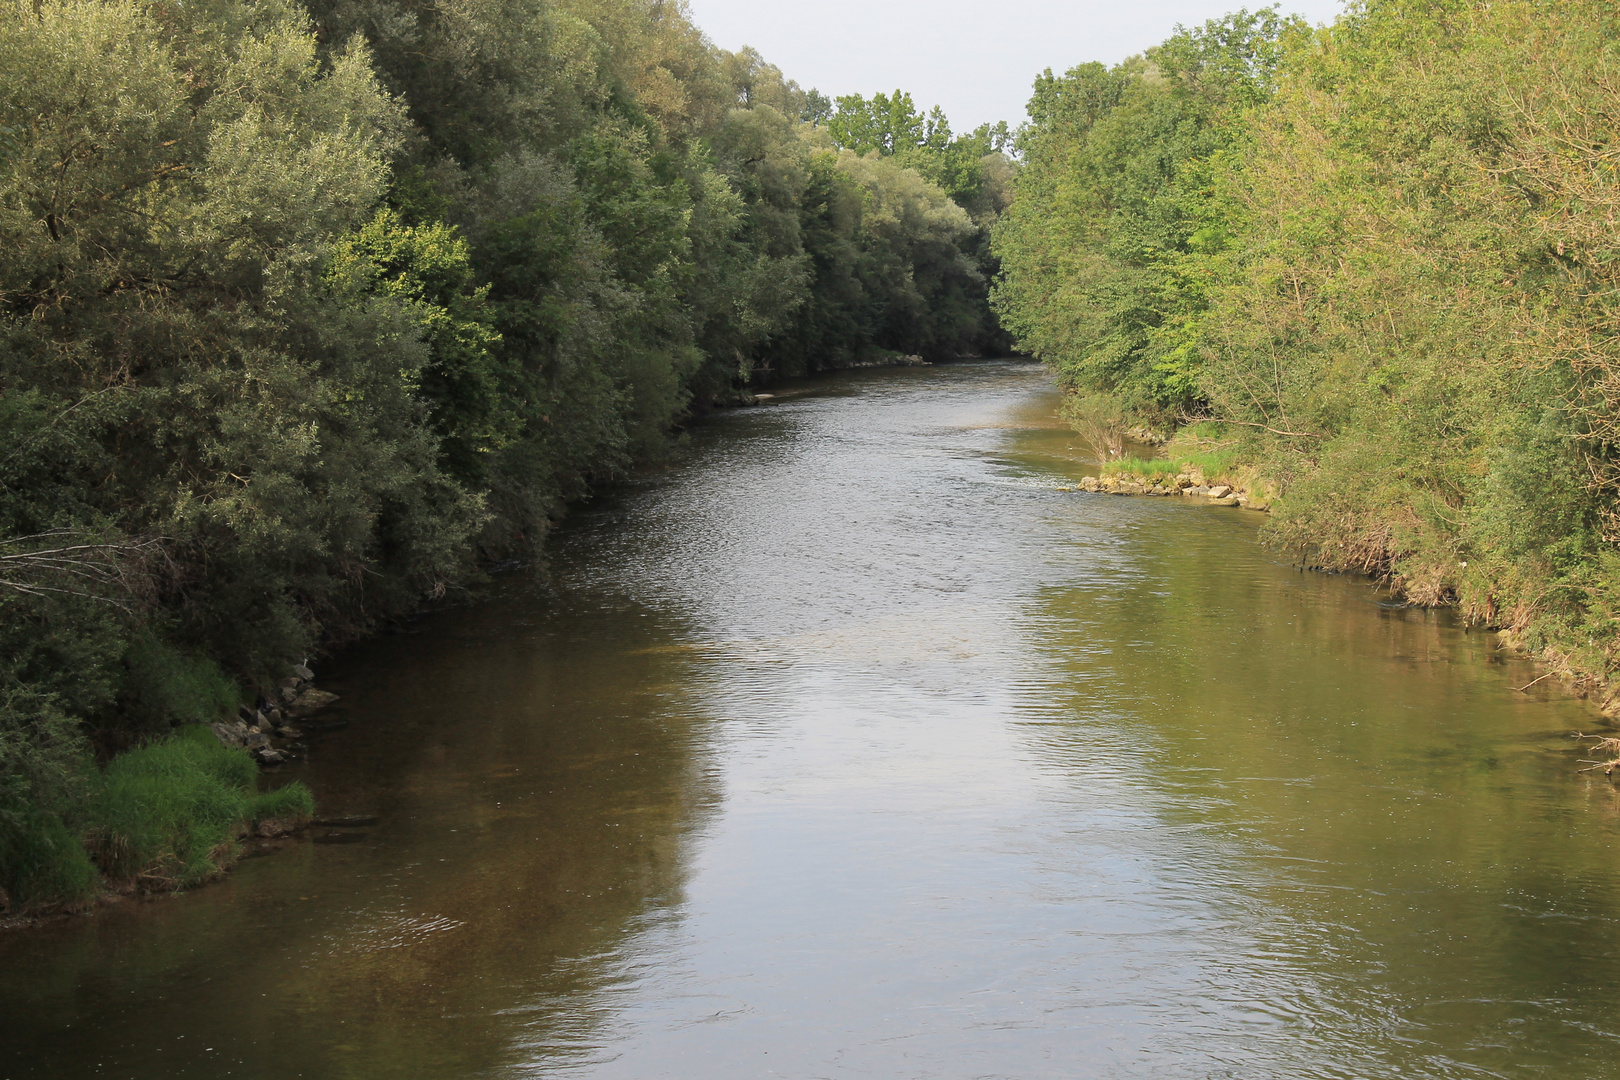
x: 1211, y: 463
x: 168, y: 813
x: 290, y: 803
x: 43, y: 861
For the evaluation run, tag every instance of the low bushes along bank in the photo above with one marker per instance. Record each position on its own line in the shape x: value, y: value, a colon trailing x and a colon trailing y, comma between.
x: 163, y: 816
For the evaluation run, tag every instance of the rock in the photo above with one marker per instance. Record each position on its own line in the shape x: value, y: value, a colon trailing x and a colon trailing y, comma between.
x: 1220, y: 491
x: 1197, y: 489
x: 255, y: 740
x: 302, y: 671
x: 1227, y: 501
x: 311, y: 700
x: 287, y: 731
x: 271, y: 828
x: 289, y: 694
x: 232, y: 735
x: 268, y: 756
x: 356, y: 821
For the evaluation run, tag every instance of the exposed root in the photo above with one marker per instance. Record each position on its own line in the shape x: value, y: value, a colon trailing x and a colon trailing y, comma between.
x: 1601, y: 744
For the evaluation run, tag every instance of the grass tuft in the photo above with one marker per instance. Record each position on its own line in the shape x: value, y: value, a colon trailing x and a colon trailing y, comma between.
x: 168, y: 814
x: 293, y: 804
x: 1212, y: 464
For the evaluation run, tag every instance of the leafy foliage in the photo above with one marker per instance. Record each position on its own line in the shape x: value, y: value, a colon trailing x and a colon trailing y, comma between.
x: 1106, y: 250
x: 305, y: 309
x: 1379, y: 258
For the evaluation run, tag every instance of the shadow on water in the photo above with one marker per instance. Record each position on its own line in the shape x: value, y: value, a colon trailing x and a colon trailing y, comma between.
x: 537, y: 770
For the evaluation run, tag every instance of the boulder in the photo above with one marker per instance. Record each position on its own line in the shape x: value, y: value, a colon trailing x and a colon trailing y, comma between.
x: 271, y: 828
x: 255, y: 740
x: 1226, y: 501
x: 1220, y: 491
x: 311, y: 700
x: 232, y: 735
x: 302, y: 671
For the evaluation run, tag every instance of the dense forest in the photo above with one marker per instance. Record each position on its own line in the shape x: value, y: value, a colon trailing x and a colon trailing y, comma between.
x: 1369, y: 269
x: 306, y: 313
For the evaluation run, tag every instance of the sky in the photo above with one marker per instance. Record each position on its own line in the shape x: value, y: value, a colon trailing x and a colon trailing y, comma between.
x: 975, y: 59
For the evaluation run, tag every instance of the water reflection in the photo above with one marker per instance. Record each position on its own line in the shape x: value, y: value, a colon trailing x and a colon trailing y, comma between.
x: 535, y: 794
x: 852, y: 746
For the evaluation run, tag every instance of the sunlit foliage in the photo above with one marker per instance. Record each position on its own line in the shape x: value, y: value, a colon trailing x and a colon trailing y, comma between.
x: 1379, y: 257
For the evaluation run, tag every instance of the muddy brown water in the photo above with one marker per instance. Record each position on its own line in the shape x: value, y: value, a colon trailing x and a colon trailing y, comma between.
x: 850, y: 746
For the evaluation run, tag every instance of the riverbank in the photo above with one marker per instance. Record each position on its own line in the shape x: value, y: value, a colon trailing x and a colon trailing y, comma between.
x: 1189, y: 484
x: 1235, y: 483
x: 162, y: 818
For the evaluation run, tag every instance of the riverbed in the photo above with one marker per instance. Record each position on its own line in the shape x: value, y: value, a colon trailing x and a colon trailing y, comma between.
x: 852, y: 745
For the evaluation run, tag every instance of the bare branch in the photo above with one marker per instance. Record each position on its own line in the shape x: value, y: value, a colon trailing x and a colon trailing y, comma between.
x: 1249, y: 423
x: 116, y: 572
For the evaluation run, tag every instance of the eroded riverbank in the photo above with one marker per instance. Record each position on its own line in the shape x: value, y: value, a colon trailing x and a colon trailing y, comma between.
x: 855, y: 747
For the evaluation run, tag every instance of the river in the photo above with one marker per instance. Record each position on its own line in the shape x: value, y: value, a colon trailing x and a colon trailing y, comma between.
x: 852, y: 746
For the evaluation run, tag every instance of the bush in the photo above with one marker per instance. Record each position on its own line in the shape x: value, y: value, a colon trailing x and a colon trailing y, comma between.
x: 42, y: 861
x: 164, y: 685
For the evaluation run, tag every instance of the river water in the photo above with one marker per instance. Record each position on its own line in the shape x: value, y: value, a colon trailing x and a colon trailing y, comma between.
x: 852, y: 746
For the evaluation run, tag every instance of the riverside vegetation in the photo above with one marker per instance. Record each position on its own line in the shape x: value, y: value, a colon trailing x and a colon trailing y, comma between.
x: 1369, y: 267
x: 306, y: 311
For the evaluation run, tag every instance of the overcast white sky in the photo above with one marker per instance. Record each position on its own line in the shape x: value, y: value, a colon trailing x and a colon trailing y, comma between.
x: 974, y: 58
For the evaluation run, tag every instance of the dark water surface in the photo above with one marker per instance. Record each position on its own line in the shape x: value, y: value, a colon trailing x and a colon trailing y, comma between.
x: 852, y: 747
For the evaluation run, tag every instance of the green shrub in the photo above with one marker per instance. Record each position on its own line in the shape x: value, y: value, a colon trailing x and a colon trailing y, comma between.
x: 44, y: 767
x: 163, y: 685
x: 41, y: 860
